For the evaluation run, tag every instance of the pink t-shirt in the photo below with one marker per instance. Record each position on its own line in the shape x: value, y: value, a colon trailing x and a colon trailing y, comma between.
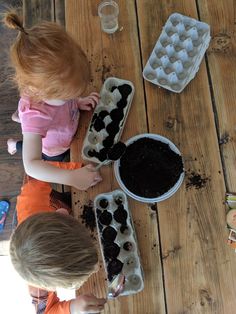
x: 56, y: 124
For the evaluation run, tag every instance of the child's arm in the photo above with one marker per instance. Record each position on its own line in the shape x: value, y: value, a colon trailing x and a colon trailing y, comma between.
x: 35, y: 167
x: 82, y: 304
x: 48, y: 303
x: 87, y: 304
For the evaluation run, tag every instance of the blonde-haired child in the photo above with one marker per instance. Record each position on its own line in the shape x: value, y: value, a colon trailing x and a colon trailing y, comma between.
x: 50, y: 249
x: 52, y: 72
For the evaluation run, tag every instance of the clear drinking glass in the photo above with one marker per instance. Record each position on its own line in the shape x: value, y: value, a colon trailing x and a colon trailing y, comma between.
x: 108, y: 12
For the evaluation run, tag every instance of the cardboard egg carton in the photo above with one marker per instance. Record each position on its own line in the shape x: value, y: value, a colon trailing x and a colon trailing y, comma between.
x: 178, y: 52
x: 230, y: 202
x: 108, y: 119
x: 118, y: 240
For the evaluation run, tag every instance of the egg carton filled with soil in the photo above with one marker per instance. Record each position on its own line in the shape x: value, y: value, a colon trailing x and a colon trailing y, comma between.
x: 118, y: 240
x: 108, y: 119
x: 176, y: 57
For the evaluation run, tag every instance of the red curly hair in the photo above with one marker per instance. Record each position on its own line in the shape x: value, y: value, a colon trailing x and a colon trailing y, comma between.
x: 49, y: 64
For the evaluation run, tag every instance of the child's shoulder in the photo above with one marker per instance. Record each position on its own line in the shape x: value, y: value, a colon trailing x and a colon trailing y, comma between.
x: 31, y: 99
x: 25, y: 102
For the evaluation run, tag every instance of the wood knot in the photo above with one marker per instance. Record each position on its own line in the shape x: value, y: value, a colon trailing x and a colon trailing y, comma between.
x: 171, y: 123
x: 172, y: 252
x: 224, y: 139
x: 221, y: 43
x: 205, y: 297
x: 153, y: 206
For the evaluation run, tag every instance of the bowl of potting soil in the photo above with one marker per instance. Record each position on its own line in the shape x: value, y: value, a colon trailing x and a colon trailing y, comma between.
x: 151, y: 169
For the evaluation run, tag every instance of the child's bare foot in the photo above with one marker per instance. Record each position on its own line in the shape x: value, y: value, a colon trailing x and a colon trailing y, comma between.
x: 15, y: 116
x: 11, y: 146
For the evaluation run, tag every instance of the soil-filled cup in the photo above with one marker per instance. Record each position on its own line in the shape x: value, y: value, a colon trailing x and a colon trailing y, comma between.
x: 108, y: 12
x: 152, y: 168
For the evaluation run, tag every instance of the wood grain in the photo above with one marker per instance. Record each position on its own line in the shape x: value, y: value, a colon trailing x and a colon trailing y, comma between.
x: 117, y: 55
x: 221, y: 60
x: 197, y: 263
x: 59, y: 7
x: 35, y: 11
x: 11, y: 168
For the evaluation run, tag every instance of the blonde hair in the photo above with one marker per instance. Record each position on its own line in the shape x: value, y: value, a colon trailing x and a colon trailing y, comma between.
x: 51, y: 250
x: 49, y: 64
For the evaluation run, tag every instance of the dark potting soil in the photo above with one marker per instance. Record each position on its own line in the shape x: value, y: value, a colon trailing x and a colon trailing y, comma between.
x: 102, y: 154
x: 118, y: 200
x: 93, y: 119
x: 109, y: 234
x: 98, y: 212
x: 122, y: 103
x: 128, y: 246
x: 114, y: 267
x: 88, y: 217
x: 111, y: 250
x: 124, y: 229
x: 120, y: 215
x: 196, y: 180
x: 117, y: 114
x: 120, y: 206
x: 116, y: 151
x: 103, y: 114
x: 113, y: 88
x: 105, y: 218
x: 92, y: 153
x: 125, y: 90
x: 103, y: 203
x: 112, y: 128
x: 100, y: 226
x: 98, y: 124
x: 108, y: 141
x: 149, y: 168
x: 113, y: 152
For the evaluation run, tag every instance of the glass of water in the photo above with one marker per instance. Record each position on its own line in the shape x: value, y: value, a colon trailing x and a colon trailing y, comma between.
x: 108, y: 12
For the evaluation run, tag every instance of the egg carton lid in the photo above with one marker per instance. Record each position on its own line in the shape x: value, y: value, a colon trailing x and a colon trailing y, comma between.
x: 231, y: 200
x: 178, y: 52
x: 134, y: 278
x: 107, y: 102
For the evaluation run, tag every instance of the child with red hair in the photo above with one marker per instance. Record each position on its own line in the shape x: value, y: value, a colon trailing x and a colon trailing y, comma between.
x: 52, y: 72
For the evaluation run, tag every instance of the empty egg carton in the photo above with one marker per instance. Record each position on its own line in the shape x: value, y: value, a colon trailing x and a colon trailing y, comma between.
x: 178, y: 52
x: 118, y: 240
x: 108, y: 119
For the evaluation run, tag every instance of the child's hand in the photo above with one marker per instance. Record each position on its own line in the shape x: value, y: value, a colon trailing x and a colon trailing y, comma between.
x: 88, y: 103
x: 85, y: 177
x: 87, y: 304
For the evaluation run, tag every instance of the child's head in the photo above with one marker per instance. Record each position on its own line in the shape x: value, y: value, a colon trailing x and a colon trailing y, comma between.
x: 49, y: 64
x: 51, y: 250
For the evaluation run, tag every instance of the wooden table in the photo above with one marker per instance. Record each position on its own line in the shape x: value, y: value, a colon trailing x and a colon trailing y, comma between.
x: 188, y: 266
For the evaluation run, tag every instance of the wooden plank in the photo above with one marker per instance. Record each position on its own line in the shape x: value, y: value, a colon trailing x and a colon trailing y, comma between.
x: 198, y: 266
x: 43, y: 10
x: 60, y: 11
x: 34, y: 11
x: 10, y: 180
x: 11, y: 168
x: 117, y: 55
x: 221, y: 57
x: 8, y: 227
x: 8, y: 90
x: 11, y: 171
